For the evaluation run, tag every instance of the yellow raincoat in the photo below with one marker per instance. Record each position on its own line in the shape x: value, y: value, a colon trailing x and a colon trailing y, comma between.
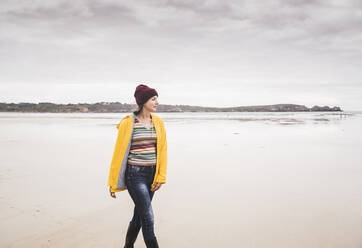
x: 117, y: 180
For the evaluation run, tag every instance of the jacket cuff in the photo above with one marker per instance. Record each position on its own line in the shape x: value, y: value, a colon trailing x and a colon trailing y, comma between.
x: 117, y: 190
x: 161, y: 179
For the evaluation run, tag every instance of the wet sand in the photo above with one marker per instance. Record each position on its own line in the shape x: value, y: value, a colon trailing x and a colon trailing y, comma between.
x: 233, y: 181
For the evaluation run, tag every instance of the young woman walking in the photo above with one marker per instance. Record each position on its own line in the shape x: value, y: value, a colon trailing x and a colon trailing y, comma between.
x: 139, y: 163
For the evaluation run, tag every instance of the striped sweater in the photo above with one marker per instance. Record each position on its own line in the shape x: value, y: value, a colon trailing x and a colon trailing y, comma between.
x: 143, y: 146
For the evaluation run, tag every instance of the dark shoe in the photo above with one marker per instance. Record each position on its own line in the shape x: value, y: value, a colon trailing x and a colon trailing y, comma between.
x: 152, y: 243
x: 131, y: 236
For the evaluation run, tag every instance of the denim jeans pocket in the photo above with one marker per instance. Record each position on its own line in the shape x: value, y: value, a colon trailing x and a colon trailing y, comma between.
x: 142, y: 171
x: 133, y: 171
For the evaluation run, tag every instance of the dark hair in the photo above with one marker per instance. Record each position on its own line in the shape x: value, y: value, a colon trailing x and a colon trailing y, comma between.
x: 139, y: 110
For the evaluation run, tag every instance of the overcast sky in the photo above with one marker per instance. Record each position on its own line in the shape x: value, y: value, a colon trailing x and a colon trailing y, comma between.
x: 206, y: 53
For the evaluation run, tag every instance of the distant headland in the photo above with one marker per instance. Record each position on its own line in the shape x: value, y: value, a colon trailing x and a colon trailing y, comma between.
x: 117, y: 107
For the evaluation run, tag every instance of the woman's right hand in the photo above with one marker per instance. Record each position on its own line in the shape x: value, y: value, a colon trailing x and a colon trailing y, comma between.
x: 113, y: 194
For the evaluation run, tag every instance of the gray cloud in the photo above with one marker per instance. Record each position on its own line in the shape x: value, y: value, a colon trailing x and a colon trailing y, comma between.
x: 328, y: 23
x: 271, y: 42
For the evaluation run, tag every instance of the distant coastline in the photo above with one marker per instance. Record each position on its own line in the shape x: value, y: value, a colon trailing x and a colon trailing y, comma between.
x: 117, y: 107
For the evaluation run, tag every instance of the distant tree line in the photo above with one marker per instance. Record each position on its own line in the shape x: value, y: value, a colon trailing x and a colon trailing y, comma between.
x: 117, y: 107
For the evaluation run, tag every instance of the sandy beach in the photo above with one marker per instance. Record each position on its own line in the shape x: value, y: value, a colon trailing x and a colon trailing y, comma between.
x: 290, y: 180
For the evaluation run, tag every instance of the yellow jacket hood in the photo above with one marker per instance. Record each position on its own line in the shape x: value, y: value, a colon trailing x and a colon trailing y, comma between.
x: 116, y: 179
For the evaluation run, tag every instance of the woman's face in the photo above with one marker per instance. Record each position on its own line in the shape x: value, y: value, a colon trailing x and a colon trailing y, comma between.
x: 151, y: 104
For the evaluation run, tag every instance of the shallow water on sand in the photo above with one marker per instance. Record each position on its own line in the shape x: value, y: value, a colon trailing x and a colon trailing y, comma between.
x: 234, y: 179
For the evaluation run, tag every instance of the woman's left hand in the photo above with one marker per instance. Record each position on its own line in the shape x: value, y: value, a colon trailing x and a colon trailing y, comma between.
x: 156, y: 186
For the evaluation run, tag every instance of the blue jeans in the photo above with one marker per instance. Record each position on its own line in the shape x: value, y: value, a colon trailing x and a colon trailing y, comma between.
x: 139, y: 180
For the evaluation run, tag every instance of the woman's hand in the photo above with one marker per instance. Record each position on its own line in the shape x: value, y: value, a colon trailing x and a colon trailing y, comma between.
x: 113, y: 194
x: 156, y: 186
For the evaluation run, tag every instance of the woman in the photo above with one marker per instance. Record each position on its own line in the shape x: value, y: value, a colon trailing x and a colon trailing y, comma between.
x: 139, y: 163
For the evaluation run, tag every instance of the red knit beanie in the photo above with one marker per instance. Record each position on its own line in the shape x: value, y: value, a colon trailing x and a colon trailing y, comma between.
x: 143, y: 93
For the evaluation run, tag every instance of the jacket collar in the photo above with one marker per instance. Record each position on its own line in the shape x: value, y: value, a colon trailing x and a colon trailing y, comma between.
x: 134, y: 116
